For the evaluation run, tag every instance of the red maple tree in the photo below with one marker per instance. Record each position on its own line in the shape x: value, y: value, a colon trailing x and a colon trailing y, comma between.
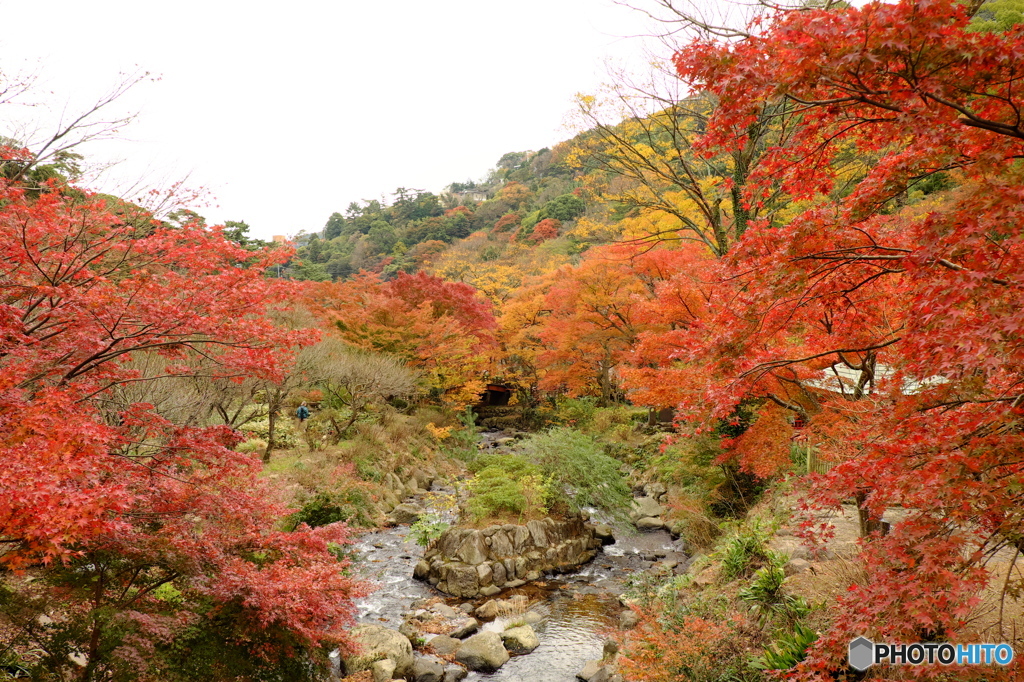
x: 897, y: 326
x: 111, y: 507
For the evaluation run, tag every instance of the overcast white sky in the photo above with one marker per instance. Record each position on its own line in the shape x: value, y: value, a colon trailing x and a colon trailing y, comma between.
x: 287, y: 112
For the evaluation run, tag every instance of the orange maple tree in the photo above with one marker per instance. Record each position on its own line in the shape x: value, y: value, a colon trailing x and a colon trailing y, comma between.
x: 443, y: 329
x: 594, y: 313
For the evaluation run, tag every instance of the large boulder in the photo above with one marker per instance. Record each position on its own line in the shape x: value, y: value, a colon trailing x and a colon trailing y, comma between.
x: 483, y: 652
x: 589, y: 670
x: 485, y: 574
x: 520, y: 640
x: 795, y: 566
x: 462, y: 580
x: 595, y: 671
x: 422, y: 478
x: 655, y: 489
x: 538, y: 532
x: 393, y: 483
x: 388, y: 500
x: 646, y: 506
x: 604, y: 533
x: 406, y: 513
x: 376, y: 642
x: 501, y: 546
x: 498, y: 573
x: 628, y: 619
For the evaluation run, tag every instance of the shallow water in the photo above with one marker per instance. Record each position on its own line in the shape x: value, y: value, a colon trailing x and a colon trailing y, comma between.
x: 572, y: 633
x: 387, y: 558
x: 581, y: 609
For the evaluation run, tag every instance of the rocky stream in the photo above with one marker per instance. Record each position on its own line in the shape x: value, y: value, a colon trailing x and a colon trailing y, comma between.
x: 572, y: 613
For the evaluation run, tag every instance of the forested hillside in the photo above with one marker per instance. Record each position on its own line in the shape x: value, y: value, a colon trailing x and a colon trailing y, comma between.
x: 815, y: 234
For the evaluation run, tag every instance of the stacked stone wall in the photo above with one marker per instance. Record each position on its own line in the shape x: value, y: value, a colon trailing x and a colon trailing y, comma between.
x: 466, y: 562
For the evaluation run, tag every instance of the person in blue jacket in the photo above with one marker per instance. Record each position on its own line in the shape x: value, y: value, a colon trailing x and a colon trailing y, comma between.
x: 302, y: 413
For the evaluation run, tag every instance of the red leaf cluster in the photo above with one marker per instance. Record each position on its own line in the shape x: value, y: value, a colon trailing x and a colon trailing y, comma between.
x: 84, y: 485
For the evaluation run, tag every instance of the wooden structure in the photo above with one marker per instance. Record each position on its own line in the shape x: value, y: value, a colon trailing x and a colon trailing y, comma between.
x: 495, y: 395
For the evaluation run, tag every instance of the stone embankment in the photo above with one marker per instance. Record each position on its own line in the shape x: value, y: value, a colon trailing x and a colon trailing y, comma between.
x: 466, y: 562
x: 399, y: 485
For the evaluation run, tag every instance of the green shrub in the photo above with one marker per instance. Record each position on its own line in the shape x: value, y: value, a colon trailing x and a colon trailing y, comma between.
x: 351, y: 504
x: 579, y: 471
x: 461, y: 444
x: 746, y: 551
x: 252, y: 445
x: 617, y: 422
x: 494, y: 492
x: 689, y: 462
x: 515, y: 466
x: 768, y: 596
x: 577, y: 412
x: 789, y: 650
x: 285, y: 436
x: 428, y: 528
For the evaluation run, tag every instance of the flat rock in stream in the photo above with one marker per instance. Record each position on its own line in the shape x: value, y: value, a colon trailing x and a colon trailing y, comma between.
x: 520, y: 640
x: 427, y: 670
x: 483, y: 652
x: 443, y: 645
x: 377, y: 642
x: 455, y: 673
x: 445, y: 611
x: 465, y: 628
x: 646, y: 506
x: 650, y: 523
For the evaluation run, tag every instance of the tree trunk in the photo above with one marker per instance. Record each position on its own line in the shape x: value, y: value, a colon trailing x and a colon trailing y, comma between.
x: 271, y: 424
x: 351, y: 421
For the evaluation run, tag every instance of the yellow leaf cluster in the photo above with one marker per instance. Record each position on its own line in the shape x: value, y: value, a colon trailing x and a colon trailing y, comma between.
x: 439, y: 433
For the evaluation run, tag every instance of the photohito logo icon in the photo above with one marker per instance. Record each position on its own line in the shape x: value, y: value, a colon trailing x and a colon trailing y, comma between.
x: 862, y: 653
